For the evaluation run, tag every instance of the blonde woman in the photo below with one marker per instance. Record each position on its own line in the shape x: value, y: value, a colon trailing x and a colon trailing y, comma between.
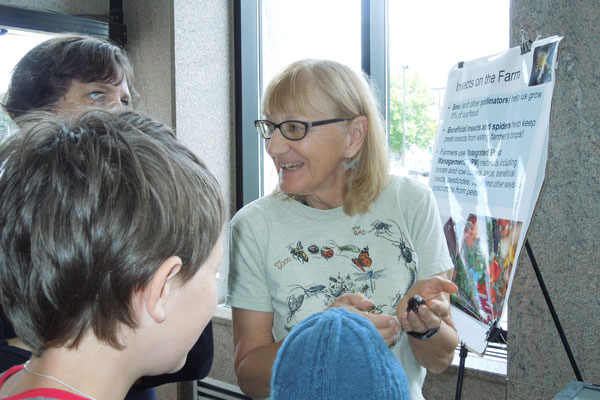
x: 339, y: 231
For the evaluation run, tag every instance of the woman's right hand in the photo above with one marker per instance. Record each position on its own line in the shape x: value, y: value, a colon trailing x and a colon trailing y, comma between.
x: 255, y: 350
x: 387, y: 325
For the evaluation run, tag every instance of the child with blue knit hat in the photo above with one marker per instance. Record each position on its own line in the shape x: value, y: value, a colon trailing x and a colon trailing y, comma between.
x: 337, y: 354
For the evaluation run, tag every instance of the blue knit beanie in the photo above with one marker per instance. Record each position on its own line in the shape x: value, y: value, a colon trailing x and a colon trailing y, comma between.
x: 337, y: 354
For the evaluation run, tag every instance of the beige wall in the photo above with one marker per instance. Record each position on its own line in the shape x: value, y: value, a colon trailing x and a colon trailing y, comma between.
x: 150, y: 46
x: 185, y: 78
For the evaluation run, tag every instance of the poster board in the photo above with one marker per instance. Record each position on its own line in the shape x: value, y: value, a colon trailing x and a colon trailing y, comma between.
x: 488, y: 167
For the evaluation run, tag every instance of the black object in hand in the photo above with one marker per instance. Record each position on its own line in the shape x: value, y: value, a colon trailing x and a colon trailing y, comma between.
x: 414, y: 303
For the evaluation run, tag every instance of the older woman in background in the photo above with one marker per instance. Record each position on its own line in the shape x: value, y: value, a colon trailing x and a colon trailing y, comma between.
x: 339, y: 231
x: 67, y: 75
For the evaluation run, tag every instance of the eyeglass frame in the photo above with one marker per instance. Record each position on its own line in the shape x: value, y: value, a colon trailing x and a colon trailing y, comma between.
x: 307, y: 126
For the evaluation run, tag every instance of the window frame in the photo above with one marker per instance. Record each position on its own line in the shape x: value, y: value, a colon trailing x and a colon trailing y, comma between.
x: 249, y: 85
x: 41, y: 21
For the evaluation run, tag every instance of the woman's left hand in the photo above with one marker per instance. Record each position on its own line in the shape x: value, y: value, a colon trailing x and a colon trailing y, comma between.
x: 436, y: 353
x: 435, y: 292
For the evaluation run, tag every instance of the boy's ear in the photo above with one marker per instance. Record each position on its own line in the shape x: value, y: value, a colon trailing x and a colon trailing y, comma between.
x: 158, y: 291
x: 358, y: 133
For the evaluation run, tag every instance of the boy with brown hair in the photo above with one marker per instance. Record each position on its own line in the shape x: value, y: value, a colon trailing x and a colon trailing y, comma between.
x: 109, y: 246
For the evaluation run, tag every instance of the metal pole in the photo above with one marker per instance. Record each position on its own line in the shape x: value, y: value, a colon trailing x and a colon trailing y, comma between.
x: 461, y: 370
x: 559, y: 328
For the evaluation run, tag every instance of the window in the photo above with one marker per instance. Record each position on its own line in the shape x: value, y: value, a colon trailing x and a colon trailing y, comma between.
x: 292, y: 30
x: 422, y: 51
x: 14, y: 44
x: 424, y: 41
x: 300, y: 29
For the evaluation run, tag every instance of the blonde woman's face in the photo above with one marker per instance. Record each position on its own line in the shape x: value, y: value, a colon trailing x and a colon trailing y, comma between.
x: 312, y: 166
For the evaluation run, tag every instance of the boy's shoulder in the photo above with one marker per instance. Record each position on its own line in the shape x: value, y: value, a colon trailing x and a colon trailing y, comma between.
x: 40, y: 393
x: 45, y: 394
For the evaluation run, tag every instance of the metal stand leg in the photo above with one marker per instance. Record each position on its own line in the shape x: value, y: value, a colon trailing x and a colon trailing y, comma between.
x: 461, y: 370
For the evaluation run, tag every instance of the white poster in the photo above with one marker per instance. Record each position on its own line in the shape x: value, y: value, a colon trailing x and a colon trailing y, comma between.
x: 488, y: 167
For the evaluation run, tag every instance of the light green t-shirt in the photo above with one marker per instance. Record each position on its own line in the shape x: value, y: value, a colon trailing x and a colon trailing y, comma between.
x: 294, y: 260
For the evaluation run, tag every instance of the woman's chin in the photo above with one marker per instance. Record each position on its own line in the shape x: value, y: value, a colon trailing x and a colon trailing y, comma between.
x: 289, y: 189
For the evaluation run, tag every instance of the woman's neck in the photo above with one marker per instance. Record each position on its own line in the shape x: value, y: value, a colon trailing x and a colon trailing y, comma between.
x: 321, y: 204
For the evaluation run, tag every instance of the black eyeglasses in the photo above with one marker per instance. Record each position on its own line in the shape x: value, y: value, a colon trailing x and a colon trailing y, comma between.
x: 291, y: 130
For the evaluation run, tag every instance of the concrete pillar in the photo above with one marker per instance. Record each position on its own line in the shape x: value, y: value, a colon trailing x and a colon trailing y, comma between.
x: 565, y: 226
x: 150, y: 46
x: 182, y: 52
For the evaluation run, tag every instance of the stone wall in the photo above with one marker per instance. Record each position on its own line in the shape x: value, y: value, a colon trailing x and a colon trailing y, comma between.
x: 563, y: 233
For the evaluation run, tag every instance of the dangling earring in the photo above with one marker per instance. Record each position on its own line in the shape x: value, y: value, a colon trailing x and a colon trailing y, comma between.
x: 348, y: 165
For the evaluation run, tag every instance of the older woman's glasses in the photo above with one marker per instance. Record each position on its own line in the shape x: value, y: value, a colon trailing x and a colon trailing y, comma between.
x: 291, y: 130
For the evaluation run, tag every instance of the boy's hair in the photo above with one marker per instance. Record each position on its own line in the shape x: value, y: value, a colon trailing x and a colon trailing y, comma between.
x: 90, y: 209
x: 45, y: 73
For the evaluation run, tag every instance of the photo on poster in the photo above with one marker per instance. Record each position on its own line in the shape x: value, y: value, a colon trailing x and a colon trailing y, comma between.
x: 543, y: 58
x: 483, y: 256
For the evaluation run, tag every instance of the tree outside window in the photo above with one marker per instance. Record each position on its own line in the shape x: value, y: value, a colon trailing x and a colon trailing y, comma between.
x: 421, y: 123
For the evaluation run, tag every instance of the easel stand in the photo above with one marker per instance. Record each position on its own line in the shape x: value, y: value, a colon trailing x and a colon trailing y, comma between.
x: 461, y: 369
x: 492, y: 336
x: 494, y: 330
x: 561, y: 333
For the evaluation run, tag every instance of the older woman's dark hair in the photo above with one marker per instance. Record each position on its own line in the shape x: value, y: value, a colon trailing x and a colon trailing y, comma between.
x: 45, y: 73
x: 90, y: 210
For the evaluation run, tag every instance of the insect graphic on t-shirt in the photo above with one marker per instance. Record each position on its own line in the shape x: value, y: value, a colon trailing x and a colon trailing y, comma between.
x: 294, y: 303
x: 370, y: 275
x: 326, y: 252
x: 313, y: 249
x: 298, y: 252
x: 405, y: 250
x: 375, y: 309
x: 338, y: 286
x: 364, y: 289
x: 309, y: 291
x: 363, y: 260
x: 381, y: 228
x: 344, y: 247
x: 396, y: 299
x: 412, y: 269
x: 400, y: 241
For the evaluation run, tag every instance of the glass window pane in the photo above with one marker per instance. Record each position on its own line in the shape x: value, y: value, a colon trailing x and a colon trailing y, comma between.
x: 14, y: 44
x: 426, y: 39
x: 293, y: 30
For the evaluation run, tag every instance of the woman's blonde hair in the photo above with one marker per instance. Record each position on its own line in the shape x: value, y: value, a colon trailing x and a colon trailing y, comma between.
x: 304, y: 87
